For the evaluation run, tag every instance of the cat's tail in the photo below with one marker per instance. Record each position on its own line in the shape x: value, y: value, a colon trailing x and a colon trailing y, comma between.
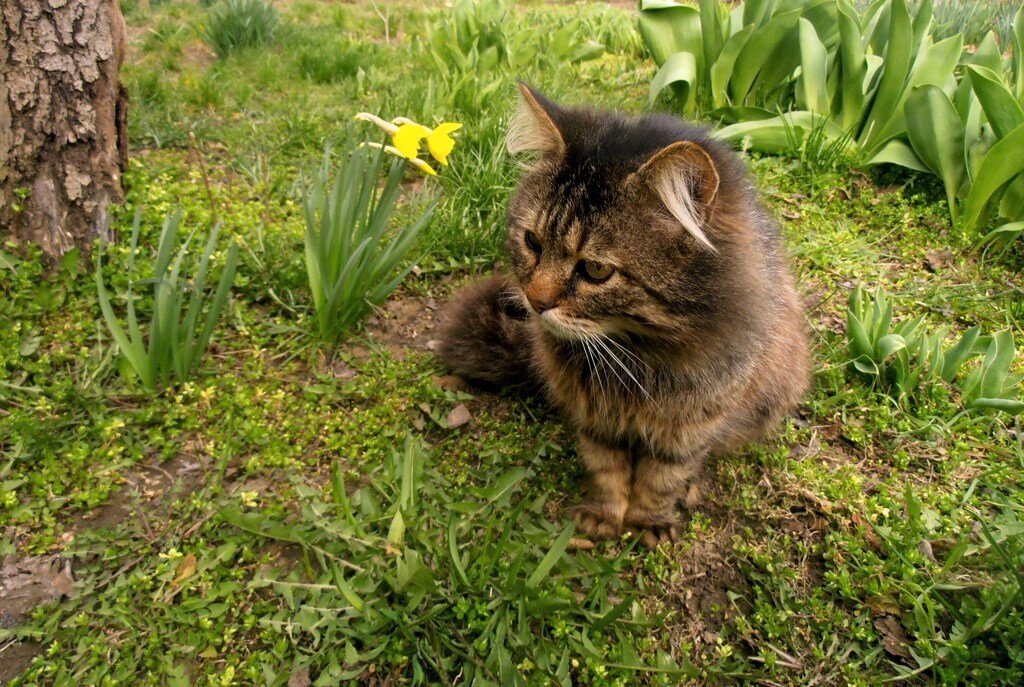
x: 484, y: 337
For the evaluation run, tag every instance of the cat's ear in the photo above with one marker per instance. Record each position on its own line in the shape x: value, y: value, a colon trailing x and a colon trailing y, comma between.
x: 684, y: 177
x: 532, y: 128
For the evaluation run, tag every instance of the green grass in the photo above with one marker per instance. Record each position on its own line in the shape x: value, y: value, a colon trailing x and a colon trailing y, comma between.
x: 864, y: 523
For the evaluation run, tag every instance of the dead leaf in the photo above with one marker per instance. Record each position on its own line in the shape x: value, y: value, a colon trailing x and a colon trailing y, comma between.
x: 451, y: 383
x: 894, y: 637
x: 186, y: 569
x: 344, y: 372
x: 300, y: 678
x: 935, y: 260
x: 580, y: 544
x: 458, y: 417
x: 27, y: 582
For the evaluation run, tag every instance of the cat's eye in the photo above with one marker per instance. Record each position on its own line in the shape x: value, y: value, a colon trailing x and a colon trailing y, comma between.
x: 596, y: 271
x: 533, y: 241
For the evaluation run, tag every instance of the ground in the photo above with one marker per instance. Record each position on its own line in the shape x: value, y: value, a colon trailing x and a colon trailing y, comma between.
x: 241, y: 528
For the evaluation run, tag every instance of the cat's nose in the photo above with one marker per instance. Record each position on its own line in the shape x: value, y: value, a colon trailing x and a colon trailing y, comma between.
x: 540, y: 305
x: 543, y: 294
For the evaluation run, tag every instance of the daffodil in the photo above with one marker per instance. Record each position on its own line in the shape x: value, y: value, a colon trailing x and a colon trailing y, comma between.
x: 419, y: 164
x: 440, y: 141
x: 406, y: 136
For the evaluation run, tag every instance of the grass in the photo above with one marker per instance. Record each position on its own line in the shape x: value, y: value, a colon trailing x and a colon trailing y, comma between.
x: 868, y: 540
x: 234, y: 25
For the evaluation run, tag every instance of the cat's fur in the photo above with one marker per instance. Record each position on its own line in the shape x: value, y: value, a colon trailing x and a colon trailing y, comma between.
x: 694, y: 345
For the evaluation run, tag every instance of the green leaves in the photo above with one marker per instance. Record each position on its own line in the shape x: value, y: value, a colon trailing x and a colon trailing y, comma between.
x: 184, y: 313
x: 992, y: 386
x: 903, y: 355
x: 816, y: 78
x: 812, y: 91
x: 475, y: 571
x: 680, y: 72
x: 668, y: 27
x: 352, y: 261
x: 937, y: 136
x: 236, y: 25
x: 1002, y: 163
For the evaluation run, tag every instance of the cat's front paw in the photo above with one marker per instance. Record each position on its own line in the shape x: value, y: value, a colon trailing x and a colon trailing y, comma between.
x: 597, y: 522
x: 654, y: 530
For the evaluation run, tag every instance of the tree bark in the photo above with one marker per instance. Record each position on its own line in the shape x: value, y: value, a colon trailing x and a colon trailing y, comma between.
x: 63, y: 117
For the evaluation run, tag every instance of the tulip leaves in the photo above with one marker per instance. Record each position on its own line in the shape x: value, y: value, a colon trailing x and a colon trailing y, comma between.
x: 937, y: 136
x: 872, y: 86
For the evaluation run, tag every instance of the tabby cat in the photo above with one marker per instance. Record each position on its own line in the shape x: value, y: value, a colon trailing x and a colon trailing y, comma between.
x: 649, y: 298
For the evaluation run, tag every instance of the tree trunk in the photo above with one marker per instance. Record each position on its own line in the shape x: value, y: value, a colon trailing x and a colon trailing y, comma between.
x: 63, y: 116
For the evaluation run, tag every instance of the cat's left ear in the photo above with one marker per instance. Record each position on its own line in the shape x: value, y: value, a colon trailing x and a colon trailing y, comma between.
x: 685, y: 178
x: 533, y: 127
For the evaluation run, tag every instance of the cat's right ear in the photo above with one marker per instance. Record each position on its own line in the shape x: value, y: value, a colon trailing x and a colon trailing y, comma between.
x: 685, y: 178
x: 532, y: 128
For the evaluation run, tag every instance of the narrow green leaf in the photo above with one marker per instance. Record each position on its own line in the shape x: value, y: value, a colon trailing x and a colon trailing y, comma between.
x: 1003, y: 234
x: 550, y: 558
x: 896, y: 152
x: 752, y: 58
x: 453, y: 550
x: 959, y: 354
x: 813, y: 68
x: 937, y: 136
x: 853, y: 67
x: 895, y: 67
x: 724, y: 67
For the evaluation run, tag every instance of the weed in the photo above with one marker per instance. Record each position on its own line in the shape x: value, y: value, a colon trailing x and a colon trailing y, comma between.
x: 393, y: 575
x: 179, y: 330
x: 352, y: 264
x: 234, y: 25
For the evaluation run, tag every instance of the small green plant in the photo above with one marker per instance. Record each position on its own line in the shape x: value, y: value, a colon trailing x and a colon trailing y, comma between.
x: 903, y: 356
x: 184, y: 312
x: 991, y: 385
x: 966, y: 622
x: 328, y: 62
x: 234, y: 25
x: 971, y: 138
x: 480, y: 42
x: 713, y: 56
x: 351, y: 260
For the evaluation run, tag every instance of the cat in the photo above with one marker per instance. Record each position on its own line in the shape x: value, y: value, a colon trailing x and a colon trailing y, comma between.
x: 650, y: 299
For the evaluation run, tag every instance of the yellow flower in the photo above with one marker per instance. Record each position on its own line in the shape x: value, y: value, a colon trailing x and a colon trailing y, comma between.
x: 407, y: 139
x: 419, y: 164
x: 440, y: 142
x: 406, y: 136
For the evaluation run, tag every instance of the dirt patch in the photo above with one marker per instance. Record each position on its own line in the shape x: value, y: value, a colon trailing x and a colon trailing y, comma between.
x: 27, y: 582
x: 24, y: 584
x: 149, y: 484
x: 15, y: 657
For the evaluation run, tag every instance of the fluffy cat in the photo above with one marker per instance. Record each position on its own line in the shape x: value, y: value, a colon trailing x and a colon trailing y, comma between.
x: 649, y: 298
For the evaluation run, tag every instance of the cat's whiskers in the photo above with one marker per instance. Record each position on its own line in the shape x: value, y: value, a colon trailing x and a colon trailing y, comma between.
x: 595, y: 372
x: 512, y: 296
x: 600, y: 340
x: 629, y: 354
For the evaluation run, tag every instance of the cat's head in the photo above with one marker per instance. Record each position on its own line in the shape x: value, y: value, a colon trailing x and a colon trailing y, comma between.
x: 623, y: 224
